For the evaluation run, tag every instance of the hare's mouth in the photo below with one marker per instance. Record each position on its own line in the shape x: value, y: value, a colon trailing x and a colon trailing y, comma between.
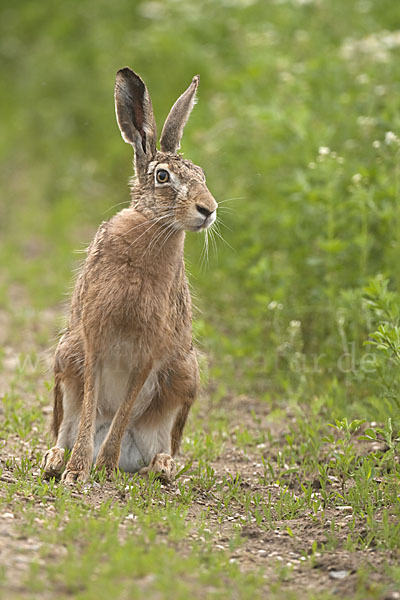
x: 209, y: 220
x: 201, y: 220
x: 203, y: 226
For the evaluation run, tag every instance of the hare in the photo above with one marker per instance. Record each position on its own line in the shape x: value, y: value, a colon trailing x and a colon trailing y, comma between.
x: 126, y: 372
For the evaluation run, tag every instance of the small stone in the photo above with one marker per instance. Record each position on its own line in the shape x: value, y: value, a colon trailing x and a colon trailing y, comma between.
x: 339, y: 574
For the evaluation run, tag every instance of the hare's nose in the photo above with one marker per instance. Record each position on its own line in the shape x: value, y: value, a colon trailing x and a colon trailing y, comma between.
x: 203, y: 210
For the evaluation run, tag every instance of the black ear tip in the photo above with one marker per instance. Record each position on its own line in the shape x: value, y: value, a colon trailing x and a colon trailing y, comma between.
x: 196, y: 80
x: 127, y: 73
x: 124, y: 71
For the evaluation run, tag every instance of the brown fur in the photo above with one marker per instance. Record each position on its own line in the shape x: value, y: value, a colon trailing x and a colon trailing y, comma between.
x: 57, y: 408
x: 131, y: 307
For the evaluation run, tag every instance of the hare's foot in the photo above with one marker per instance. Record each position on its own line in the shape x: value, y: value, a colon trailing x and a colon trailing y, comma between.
x: 77, y: 470
x: 107, y: 462
x: 53, y: 462
x: 71, y: 476
x: 163, y: 466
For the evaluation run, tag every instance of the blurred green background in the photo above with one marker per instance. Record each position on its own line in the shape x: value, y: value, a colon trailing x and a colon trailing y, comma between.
x: 296, y: 128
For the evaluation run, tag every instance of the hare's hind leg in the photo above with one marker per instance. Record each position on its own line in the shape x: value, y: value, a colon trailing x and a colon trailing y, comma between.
x: 67, y: 406
x: 79, y: 464
x: 178, y: 387
x: 177, y: 429
x: 162, y: 465
x: 186, y: 385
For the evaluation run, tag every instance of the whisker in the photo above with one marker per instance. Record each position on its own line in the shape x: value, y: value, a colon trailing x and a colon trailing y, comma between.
x: 135, y: 241
x: 172, y: 230
x: 218, y: 233
x: 157, y: 220
x: 154, y: 219
x: 157, y: 236
x: 154, y: 240
x: 225, y: 209
x: 203, y: 251
x: 115, y: 206
x: 204, y: 262
x: 142, y: 224
x: 220, y: 222
x: 213, y: 242
x: 231, y: 199
x: 207, y: 249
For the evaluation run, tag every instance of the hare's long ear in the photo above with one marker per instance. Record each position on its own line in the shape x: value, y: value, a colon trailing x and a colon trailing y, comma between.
x: 135, y: 117
x: 175, y: 122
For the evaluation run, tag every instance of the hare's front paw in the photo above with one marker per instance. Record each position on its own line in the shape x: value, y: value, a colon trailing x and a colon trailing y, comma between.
x: 162, y: 465
x: 71, y: 476
x: 107, y: 462
x: 53, y: 462
x: 77, y: 470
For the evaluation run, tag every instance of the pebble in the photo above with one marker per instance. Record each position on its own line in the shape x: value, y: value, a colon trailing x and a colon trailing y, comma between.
x: 338, y: 574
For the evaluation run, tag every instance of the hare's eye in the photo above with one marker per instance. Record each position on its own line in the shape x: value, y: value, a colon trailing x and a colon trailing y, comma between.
x: 162, y: 176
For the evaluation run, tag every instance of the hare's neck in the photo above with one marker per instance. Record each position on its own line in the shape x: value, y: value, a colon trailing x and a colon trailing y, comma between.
x: 150, y: 243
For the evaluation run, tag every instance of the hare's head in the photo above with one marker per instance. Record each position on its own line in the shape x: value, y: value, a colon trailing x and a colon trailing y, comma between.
x: 167, y: 185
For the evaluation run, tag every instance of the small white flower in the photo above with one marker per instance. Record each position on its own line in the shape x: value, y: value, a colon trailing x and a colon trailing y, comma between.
x: 295, y: 324
x: 376, y: 46
x: 272, y: 305
x: 324, y: 150
x: 366, y: 121
x: 362, y: 78
x: 391, y: 138
x: 376, y: 144
x: 380, y: 90
x: 312, y: 165
x: 357, y: 177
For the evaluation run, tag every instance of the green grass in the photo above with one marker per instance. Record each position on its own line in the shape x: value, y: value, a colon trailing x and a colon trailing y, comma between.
x: 294, y: 445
